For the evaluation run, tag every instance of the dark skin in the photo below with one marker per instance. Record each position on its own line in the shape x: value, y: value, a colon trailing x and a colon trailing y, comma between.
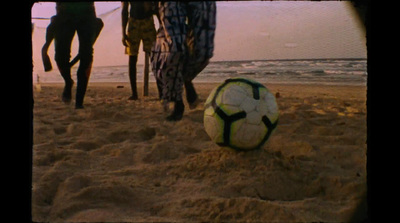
x: 125, y: 14
x: 191, y: 95
x: 50, y: 35
x: 132, y: 59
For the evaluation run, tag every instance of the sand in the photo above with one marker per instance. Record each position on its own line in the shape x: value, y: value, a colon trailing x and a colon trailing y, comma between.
x: 119, y: 161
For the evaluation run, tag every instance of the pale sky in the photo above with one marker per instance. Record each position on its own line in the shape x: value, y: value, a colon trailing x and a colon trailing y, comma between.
x: 245, y: 31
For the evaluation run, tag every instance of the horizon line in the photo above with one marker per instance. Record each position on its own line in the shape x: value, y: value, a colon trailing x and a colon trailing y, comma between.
x: 222, y: 61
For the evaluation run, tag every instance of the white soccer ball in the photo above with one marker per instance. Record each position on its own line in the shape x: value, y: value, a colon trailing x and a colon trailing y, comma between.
x: 240, y: 113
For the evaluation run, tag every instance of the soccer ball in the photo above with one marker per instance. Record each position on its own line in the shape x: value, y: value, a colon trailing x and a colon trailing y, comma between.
x: 241, y: 114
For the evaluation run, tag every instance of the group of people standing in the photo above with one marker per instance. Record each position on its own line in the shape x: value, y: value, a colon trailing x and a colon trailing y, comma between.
x: 178, y: 51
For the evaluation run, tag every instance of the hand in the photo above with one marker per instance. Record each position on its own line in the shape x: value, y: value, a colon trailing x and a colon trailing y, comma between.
x: 125, y: 40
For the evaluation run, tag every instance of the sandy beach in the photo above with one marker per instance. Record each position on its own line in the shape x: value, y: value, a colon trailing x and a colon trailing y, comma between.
x: 119, y: 161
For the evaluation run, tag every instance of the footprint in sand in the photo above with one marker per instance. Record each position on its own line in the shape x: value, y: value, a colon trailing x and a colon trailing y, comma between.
x: 78, y: 193
x: 59, y: 130
x: 86, y: 145
x: 119, y: 136
x: 75, y: 183
x: 161, y: 151
x: 147, y: 133
x: 74, y: 129
x: 144, y: 134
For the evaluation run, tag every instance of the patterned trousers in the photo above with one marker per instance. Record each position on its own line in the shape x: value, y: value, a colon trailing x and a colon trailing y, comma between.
x: 184, y: 44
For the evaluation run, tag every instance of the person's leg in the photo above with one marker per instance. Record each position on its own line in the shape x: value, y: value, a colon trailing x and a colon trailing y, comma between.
x: 200, y: 37
x: 98, y: 27
x: 159, y: 88
x: 172, y: 57
x: 63, y: 34
x: 50, y: 33
x: 200, y: 44
x: 83, y: 75
x: 133, y: 33
x: 191, y: 95
x: 157, y: 60
x: 148, y: 36
x: 86, y: 33
x: 132, y: 76
x: 146, y: 74
x: 177, y: 113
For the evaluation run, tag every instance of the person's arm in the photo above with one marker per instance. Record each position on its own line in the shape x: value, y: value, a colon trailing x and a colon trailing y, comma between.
x: 50, y: 33
x: 124, y: 21
x: 155, y: 11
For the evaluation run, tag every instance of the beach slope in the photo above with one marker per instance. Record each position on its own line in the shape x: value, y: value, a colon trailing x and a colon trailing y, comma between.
x: 119, y: 161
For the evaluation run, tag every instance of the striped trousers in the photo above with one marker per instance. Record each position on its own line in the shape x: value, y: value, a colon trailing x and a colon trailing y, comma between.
x: 184, y: 45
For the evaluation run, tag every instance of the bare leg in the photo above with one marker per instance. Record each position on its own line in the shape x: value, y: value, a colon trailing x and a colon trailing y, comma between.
x: 132, y: 76
x: 146, y: 75
x: 191, y: 95
x: 177, y: 114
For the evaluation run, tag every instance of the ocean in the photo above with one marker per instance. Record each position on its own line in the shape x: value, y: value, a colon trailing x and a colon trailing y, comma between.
x: 308, y: 71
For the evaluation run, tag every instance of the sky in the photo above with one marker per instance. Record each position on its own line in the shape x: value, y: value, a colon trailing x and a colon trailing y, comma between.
x: 245, y: 31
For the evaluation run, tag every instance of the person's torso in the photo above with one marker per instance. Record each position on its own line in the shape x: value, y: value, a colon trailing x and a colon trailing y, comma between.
x: 141, y: 10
